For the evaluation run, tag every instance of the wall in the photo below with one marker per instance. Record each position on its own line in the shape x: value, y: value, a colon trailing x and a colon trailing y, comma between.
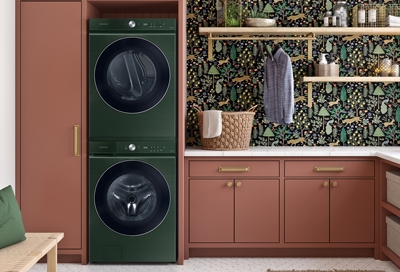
x: 7, y: 90
x: 344, y: 114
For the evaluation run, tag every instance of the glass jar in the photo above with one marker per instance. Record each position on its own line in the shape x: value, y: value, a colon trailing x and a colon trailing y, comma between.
x: 340, y: 11
x: 361, y: 15
x: 328, y: 18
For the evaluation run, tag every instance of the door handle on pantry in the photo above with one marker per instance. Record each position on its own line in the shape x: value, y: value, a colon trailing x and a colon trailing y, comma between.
x: 334, y: 183
x: 76, y: 140
x: 233, y: 169
x: 239, y: 183
x: 328, y: 169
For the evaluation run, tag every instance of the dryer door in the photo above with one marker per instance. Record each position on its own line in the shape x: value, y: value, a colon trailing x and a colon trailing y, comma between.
x: 132, y: 75
x: 132, y: 198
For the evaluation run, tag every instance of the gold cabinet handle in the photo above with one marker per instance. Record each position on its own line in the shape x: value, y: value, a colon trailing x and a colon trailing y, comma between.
x: 76, y: 140
x: 329, y: 169
x: 238, y: 184
x: 233, y: 169
x: 230, y: 183
x: 334, y: 183
x: 326, y: 184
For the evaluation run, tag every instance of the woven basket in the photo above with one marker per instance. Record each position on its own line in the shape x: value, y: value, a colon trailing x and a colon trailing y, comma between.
x: 236, y: 131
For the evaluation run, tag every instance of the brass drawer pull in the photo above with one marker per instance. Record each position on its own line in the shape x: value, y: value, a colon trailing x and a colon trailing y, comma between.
x: 230, y: 183
x: 233, y: 169
x: 328, y: 169
x: 76, y: 140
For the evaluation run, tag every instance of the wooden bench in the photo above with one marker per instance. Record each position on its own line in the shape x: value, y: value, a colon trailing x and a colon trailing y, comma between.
x: 22, y: 256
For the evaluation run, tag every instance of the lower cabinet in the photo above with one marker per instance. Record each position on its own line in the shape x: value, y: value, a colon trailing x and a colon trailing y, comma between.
x: 233, y: 201
x: 234, y: 210
x: 329, y: 210
x: 280, y: 207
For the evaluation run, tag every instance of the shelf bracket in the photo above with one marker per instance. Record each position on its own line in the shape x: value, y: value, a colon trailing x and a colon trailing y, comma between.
x: 309, y: 94
x: 309, y: 57
x: 210, y: 46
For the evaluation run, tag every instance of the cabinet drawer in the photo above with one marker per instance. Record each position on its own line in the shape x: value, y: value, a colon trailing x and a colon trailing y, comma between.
x: 331, y: 168
x: 234, y: 168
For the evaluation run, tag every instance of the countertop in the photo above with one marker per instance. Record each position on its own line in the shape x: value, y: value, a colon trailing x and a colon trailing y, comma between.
x: 390, y: 153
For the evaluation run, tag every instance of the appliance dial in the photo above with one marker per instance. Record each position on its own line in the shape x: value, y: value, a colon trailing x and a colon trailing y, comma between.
x: 132, y: 147
x: 132, y: 24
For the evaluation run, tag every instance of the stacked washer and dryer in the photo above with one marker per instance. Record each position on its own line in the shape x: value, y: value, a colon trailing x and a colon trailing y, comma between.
x: 132, y: 140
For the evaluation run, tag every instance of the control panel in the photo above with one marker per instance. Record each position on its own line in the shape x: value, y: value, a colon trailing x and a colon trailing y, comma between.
x: 131, y: 148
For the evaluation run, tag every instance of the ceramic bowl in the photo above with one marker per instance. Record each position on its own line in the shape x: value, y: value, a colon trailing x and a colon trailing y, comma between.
x: 260, y: 22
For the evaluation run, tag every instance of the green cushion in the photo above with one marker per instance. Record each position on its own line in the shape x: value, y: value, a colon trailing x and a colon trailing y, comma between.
x: 12, y: 229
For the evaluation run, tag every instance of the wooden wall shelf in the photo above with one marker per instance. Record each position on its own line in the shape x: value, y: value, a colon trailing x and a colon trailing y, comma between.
x: 299, y: 33
x: 253, y: 31
x: 350, y: 79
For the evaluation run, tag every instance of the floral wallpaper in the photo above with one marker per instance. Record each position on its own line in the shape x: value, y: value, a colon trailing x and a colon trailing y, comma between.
x: 342, y: 114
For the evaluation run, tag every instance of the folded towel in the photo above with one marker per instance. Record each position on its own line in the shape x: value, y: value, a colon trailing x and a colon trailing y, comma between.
x: 212, y: 123
x: 393, y: 24
x: 392, y: 19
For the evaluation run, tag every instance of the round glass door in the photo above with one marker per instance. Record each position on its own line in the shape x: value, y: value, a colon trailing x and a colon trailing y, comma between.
x: 132, y: 198
x: 132, y: 75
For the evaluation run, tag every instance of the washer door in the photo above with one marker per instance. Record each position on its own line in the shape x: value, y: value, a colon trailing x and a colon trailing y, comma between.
x: 132, y: 75
x: 132, y: 198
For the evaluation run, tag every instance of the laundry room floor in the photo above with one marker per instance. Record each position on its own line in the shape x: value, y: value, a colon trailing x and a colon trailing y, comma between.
x: 233, y: 265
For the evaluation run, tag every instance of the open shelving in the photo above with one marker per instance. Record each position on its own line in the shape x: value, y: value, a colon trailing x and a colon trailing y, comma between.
x: 299, y: 33
x: 386, y: 209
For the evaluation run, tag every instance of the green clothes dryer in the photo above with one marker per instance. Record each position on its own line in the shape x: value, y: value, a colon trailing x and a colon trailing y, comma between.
x: 132, y: 79
x: 132, y: 202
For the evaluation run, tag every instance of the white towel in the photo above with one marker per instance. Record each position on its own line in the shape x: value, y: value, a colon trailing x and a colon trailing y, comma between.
x: 393, y: 21
x: 212, y: 123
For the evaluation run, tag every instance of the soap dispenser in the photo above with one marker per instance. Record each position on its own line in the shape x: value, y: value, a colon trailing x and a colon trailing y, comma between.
x: 322, y: 67
x: 323, y: 59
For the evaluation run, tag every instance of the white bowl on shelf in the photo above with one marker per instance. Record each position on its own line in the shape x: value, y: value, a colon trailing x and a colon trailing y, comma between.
x: 260, y: 22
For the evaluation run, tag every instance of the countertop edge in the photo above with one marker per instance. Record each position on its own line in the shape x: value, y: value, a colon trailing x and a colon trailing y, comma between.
x: 390, y: 153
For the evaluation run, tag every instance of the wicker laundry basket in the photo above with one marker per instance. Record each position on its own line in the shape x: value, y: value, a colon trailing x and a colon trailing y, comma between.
x: 236, y: 131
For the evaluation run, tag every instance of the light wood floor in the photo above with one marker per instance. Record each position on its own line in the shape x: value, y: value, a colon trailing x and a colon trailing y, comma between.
x: 233, y: 265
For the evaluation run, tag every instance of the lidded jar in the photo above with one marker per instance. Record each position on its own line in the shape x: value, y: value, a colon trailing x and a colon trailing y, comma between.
x: 341, y: 13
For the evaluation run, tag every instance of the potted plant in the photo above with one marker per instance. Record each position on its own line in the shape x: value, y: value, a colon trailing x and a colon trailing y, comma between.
x: 229, y: 13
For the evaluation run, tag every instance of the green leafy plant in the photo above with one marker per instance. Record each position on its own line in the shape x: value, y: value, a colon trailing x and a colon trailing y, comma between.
x: 232, y: 14
x: 255, y: 13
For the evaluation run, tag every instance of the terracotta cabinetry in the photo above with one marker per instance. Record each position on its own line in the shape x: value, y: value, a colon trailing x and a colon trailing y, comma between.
x: 329, y: 201
x: 288, y: 206
x: 233, y: 201
x: 49, y: 100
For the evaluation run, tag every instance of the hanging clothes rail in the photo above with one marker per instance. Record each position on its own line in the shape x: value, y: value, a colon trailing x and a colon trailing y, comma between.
x: 211, y: 38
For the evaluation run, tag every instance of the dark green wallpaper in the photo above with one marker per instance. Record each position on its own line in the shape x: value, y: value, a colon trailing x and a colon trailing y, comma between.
x: 344, y: 114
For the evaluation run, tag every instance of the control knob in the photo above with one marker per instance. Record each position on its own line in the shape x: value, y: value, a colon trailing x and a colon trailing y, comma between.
x: 132, y: 147
x: 132, y: 24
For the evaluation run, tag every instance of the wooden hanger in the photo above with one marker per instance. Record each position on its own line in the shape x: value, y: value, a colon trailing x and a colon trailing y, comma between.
x: 261, y: 48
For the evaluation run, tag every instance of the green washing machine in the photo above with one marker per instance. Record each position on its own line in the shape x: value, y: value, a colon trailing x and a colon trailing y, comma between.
x: 132, y: 202
x: 132, y: 79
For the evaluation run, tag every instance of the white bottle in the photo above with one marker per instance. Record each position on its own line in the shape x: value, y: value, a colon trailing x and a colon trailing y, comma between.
x: 323, y: 59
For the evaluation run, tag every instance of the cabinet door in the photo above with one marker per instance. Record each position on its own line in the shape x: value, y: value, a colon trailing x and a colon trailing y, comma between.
x: 352, y: 211
x: 211, y: 210
x: 50, y: 107
x: 306, y: 211
x: 257, y: 211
